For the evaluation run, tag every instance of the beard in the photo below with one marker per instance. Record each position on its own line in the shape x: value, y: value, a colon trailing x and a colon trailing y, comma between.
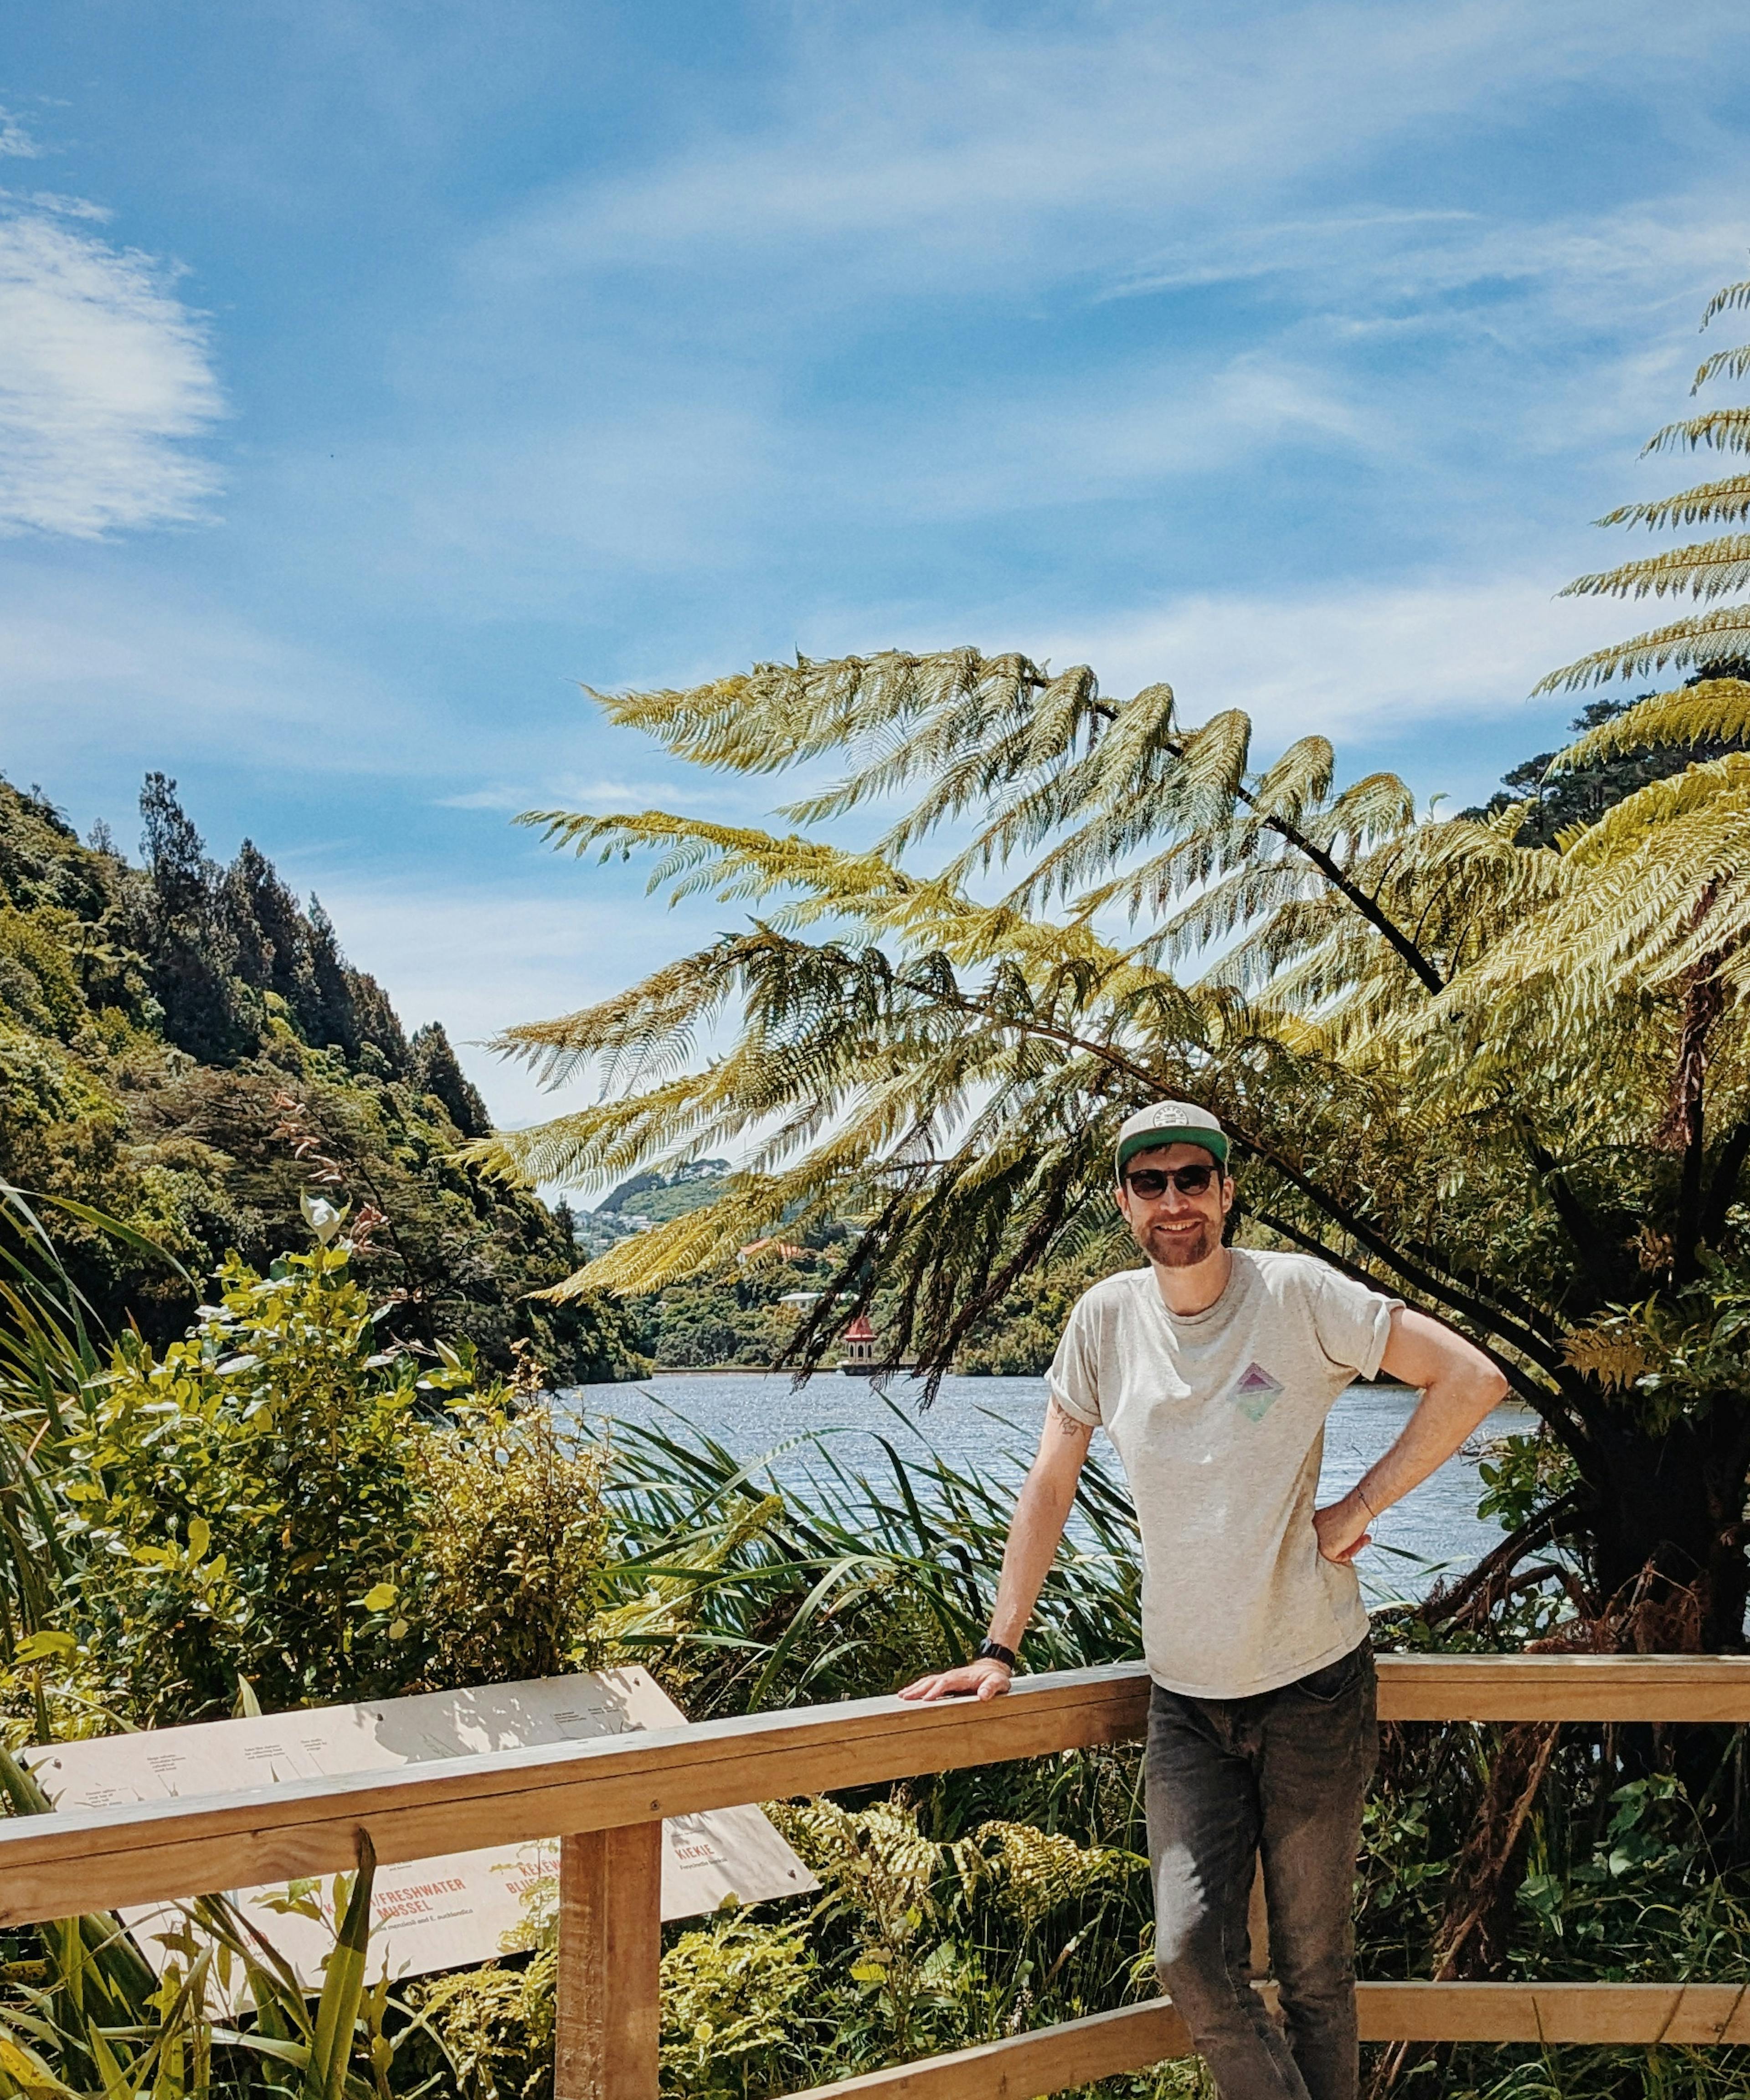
x: 1180, y: 1250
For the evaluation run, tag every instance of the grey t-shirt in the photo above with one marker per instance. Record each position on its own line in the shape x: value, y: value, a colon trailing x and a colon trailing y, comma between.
x: 1219, y: 1421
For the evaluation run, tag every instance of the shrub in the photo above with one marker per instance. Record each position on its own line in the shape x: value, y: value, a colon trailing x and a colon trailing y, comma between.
x: 515, y: 1548
x: 251, y: 1502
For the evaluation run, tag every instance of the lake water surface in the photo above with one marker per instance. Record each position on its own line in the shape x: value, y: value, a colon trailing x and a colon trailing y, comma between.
x: 989, y: 1426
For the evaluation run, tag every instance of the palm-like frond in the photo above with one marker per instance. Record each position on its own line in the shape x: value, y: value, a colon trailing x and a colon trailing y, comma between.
x: 1722, y: 364
x: 1722, y: 502
x: 780, y: 713
x: 1646, y: 892
x: 1724, y: 430
x: 1711, y: 711
x: 1710, y: 569
x: 1728, y: 299
x: 1704, y: 638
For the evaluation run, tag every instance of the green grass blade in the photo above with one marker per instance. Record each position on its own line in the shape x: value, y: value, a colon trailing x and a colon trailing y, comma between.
x: 343, y: 1986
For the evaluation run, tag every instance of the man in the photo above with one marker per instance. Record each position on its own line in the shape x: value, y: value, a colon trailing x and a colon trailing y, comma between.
x: 1213, y: 1370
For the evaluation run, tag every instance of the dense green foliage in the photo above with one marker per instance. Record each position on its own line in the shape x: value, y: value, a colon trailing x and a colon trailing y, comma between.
x: 284, y: 1502
x: 1548, y: 799
x: 277, y: 1500
x: 185, y: 1046
x: 1508, y: 1081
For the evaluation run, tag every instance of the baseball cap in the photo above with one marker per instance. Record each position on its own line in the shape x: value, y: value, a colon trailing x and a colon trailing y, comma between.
x: 1170, y: 1122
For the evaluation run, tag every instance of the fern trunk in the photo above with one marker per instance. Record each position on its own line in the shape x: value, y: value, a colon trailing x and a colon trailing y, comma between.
x: 1668, y: 1528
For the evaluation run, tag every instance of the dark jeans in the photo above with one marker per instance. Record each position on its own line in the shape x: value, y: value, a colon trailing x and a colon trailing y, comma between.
x: 1282, y: 1773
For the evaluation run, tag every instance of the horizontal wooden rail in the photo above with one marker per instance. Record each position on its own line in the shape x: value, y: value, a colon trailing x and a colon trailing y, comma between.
x: 1564, y: 1687
x: 100, y: 1859
x: 606, y: 1797
x: 1109, y: 2045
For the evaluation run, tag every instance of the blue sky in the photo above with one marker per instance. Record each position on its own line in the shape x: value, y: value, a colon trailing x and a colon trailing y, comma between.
x: 373, y: 374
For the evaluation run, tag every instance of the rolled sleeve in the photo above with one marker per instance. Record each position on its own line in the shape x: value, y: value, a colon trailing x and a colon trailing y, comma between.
x: 1074, y: 1375
x: 1353, y: 1322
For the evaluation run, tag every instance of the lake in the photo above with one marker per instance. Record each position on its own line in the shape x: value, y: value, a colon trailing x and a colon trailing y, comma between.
x: 989, y: 1426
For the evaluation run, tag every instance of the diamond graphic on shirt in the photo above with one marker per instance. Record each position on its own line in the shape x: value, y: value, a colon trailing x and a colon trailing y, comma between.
x: 1256, y: 1393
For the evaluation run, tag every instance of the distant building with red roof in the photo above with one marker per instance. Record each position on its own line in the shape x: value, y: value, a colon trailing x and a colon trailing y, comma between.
x: 858, y: 1360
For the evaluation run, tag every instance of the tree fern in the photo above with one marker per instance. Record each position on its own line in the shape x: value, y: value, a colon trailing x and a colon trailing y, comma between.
x: 1708, y: 570
x: 1487, y: 1076
x: 1709, y: 711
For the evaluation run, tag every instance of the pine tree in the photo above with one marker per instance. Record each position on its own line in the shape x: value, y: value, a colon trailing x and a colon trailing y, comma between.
x: 192, y: 945
x: 433, y: 1068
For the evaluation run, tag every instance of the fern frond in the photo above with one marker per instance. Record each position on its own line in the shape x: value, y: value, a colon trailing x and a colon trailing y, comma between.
x: 1650, y: 894
x: 1623, y: 827
x: 780, y: 713
x: 650, y: 1026
x: 1712, y: 711
x: 1725, y: 430
x: 1377, y: 807
x: 1147, y: 782
x: 1027, y: 1873
x: 1723, y: 363
x: 738, y: 860
x: 1138, y: 747
x: 1726, y: 300
x: 1300, y: 779
x: 1704, y: 637
x: 708, y: 1238
x: 1723, y: 502
x: 1709, y: 569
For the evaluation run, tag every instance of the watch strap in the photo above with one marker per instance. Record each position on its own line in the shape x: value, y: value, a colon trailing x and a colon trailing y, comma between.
x: 994, y: 1651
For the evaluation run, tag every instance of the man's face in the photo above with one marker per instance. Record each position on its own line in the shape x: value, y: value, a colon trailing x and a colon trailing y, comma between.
x: 1175, y: 1229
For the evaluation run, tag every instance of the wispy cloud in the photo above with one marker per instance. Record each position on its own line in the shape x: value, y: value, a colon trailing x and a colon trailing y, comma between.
x: 1370, y: 661
x: 105, y: 379
x: 16, y: 143
x: 909, y: 148
x: 599, y: 796
x: 60, y: 206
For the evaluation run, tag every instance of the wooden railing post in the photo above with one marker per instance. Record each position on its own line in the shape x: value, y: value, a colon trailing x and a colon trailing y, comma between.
x: 611, y: 1888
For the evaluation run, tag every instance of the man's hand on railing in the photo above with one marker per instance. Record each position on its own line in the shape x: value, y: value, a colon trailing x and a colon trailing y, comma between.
x: 985, y: 1679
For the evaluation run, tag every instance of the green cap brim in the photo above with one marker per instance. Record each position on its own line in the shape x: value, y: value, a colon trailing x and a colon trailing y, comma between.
x: 1212, y: 1141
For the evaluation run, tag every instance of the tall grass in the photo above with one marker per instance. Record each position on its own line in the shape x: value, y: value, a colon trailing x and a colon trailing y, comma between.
x: 796, y: 1576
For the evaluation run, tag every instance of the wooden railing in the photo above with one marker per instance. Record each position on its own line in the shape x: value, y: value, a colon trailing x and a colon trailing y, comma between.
x: 609, y: 1795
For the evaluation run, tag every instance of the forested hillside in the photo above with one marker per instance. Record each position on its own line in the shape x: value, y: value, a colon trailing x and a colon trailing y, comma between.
x: 185, y: 1045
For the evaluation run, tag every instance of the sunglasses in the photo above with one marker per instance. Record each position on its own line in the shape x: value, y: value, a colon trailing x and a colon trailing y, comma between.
x: 1149, y: 1182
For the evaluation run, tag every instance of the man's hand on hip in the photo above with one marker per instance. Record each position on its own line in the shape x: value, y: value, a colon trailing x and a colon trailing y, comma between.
x: 985, y: 1678
x: 1342, y: 1528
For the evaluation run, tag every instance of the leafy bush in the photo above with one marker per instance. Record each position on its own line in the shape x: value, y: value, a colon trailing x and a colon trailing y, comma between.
x: 249, y: 1504
x: 514, y: 1548
x: 741, y: 2015
x: 278, y: 1500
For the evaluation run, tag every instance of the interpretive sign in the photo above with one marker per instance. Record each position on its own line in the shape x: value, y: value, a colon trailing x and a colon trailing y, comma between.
x: 426, y: 1914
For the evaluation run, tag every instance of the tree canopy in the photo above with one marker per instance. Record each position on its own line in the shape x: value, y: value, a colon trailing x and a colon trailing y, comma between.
x: 184, y: 1045
x: 1506, y: 1083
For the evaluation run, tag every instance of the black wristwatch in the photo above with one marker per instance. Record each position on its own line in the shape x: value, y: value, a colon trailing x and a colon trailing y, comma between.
x: 996, y: 1652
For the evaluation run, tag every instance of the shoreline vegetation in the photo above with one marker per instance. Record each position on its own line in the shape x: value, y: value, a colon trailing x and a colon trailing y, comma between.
x: 277, y: 1307
x: 190, y: 1561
